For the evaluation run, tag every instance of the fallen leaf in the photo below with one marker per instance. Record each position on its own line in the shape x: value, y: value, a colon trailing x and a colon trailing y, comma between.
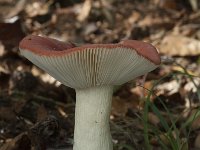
x: 197, y: 142
x: 6, y: 113
x: 44, y: 133
x: 163, y: 137
x: 37, y: 8
x: 10, y: 9
x: 119, y: 107
x: 153, y: 119
x: 177, y: 45
x: 2, y: 49
x: 11, y: 34
x: 41, y: 113
x: 168, y: 4
x: 168, y: 88
x: 85, y: 11
x: 196, y: 123
x: 20, y: 142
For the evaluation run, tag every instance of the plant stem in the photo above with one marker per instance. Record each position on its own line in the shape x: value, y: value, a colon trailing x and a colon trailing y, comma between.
x: 92, y: 114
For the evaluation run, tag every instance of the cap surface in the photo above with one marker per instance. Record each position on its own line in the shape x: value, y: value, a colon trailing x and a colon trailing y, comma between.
x: 91, y: 64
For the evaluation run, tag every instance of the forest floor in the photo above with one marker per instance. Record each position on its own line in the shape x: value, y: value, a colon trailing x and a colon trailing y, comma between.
x: 160, y: 110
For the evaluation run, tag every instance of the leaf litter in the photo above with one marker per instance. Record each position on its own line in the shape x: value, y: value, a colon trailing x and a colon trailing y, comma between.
x: 35, y: 106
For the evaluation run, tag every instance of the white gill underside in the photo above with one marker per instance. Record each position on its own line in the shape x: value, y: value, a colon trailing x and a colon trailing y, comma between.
x: 93, y: 67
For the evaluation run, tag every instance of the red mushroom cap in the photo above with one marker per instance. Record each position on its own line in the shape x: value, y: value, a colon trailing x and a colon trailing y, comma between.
x: 47, y: 46
x: 145, y: 49
x: 90, y: 64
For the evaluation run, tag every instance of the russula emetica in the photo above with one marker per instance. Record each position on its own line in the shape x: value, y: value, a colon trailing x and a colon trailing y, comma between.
x: 92, y: 70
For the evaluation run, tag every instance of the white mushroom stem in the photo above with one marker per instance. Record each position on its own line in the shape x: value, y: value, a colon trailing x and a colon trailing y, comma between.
x: 92, y: 113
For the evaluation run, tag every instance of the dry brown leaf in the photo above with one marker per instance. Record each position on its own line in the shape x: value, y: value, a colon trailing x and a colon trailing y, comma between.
x: 85, y: 11
x: 9, y: 9
x: 6, y: 113
x: 190, y: 86
x: 20, y: 142
x: 153, y: 119
x: 196, y: 124
x: 119, y: 107
x: 44, y: 133
x: 194, y: 4
x: 2, y: 49
x: 197, y: 141
x: 11, y: 34
x: 183, y: 70
x: 163, y: 137
x: 177, y: 45
x: 18, y: 106
x: 168, y: 4
x: 41, y: 113
x: 168, y: 88
x: 37, y: 8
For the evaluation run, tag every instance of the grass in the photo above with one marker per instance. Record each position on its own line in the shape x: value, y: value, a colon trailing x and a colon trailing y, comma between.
x: 169, y: 136
x: 174, y: 132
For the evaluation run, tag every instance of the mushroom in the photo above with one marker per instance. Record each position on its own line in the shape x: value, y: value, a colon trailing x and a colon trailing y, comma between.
x: 92, y: 70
